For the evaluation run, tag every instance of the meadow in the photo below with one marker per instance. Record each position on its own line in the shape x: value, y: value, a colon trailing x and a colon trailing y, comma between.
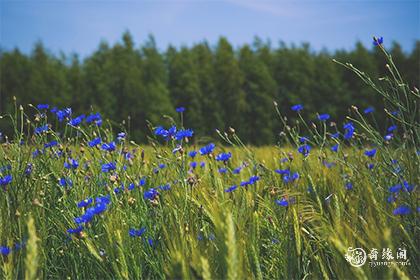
x: 80, y: 200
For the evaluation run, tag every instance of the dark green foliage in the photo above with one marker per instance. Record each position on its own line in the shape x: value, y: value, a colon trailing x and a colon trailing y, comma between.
x: 219, y: 86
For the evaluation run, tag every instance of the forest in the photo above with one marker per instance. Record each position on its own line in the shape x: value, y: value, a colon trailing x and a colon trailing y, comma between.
x: 220, y: 86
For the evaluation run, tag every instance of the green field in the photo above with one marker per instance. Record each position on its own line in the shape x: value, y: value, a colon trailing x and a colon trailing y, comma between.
x: 79, y: 200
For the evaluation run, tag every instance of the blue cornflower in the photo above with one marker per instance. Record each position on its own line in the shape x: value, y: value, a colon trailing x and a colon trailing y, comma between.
x: 297, y: 107
x: 370, y: 153
x: 304, y: 150
x: 222, y: 170
x: 94, y: 118
x: 85, y: 203
x: 193, y: 165
x: 5, y: 180
x: 335, y: 148
x: 75, y: 230
x: 142, y: 181
x: 71, y: 164
x: 4, y: 250
x: 150, y: 194
x: 244, y: 183
x: 392, y: 128
x: 41, y: 129
x: 370, y: 166
x: 402, y: 210
x: 162, y: 165
x: 253, y: 179
x: 136, y: 232
x: 185, y: 133
x: 369, y: 110
x: 131, y: 186
x: 65, y: 182
x: 207, y: 149
x: 28, y: 169
x: 95, y: 142
x: 50, y: 144
x: 349, y: 130
x: 378, y: 41
x: 121, y: 136
x: 231, y: 189
x: 323, y: 117
x: 349, y: 186
x: 237, y: 170
x: 291, y: 177
x: 77, y: 121
x: 180, y: 109
x: 395, y: 189
x: 303, y: 139
x: 108, y: 167
x: 103, y: 199
x: 224, y: 156
x: 283, y: 202
x: 202, y: 164
x: 166, y: 187
x: 43, y: 106
x: 388, y: 137
x: 109, y: 146
x: 192, y: 154
x: 408, y: 187
x: 282, y: 171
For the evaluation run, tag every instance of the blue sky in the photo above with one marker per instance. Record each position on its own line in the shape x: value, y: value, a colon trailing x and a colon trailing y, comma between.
x: 79, y: 26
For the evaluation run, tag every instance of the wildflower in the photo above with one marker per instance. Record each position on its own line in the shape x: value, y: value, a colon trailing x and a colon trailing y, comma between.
x: 109, y: 146
x: 231, y: 189
x: 369, y: 110
x: 185, y: 133
x: 349, y: 130
x: 166, y: 187
x: 193, y: 165
x: 297, y: 107
x: 388, y: 137
x: 77, y: 121
x: 94, y: 118
x: 303, y: 139
x: 121, y: 136
x: 72, y: 164
x: 131, y: 186
x: 207, y: 149
x: 202, y: 164
x: 108, y: 167
x: 136, y: 232
x: 378, y: 41
x: 62, y: 114
x: 142, y: 181
x: 75, y: 230
x: 180, y: 109
x: 370, y: 166
x: 41, y: 129
x: 224, y: 156
x: 323, y: 117
x: 335, y: 135
x: 304, y: 150
x: 370, y: 153
x: 103, y: 199
x: 150, y: 194
x: 408, y: 187
x: 283, y: 202
x: 5, y: 180
x: 237, y: 170
x: 4, y: 250
x: 43, y: 106
x: 392, y: 128
x: 65, y: 182
x: 395, y: 189
x: 402, y: 210
x: 85, y: 203
x: 288, y: 178
x: 335, y: 148
x: 222, y: 170
x: 51, y: 144
x: 167, y: 134
x: 282, y: 171
x: 28, y: 169
x: 192, y: 154
x: 95, y: 142
x: 253, y: 179
x: 162, y: 165
x: 349, y: 186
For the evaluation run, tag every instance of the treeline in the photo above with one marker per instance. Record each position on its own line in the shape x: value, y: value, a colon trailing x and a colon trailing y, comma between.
x: 220, y: 86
